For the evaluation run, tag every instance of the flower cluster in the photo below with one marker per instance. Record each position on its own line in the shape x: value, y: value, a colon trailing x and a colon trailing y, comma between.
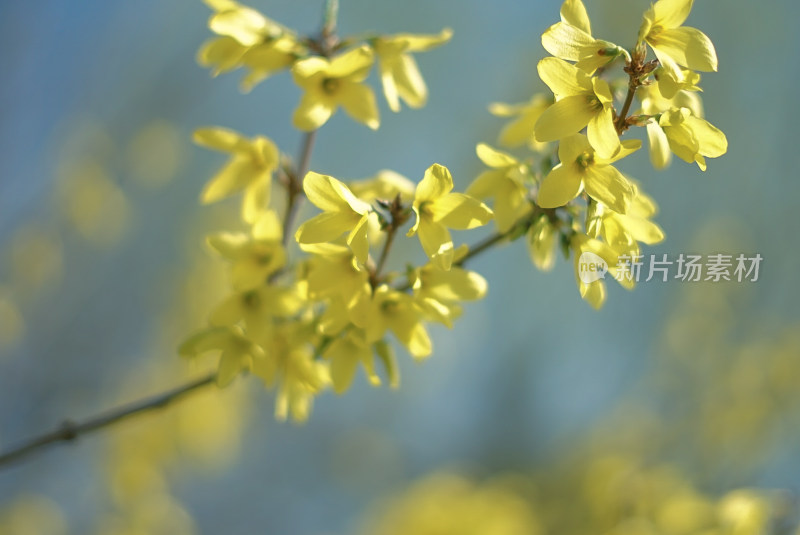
x: 583, y: 201
x: 305, y: 320
x: 305, y: 316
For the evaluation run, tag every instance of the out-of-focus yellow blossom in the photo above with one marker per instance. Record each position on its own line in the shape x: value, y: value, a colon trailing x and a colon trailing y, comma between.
x: 439, y: 292
x: 245, y: 24
x: 341, y: 212
x: 521, y: 129
x: 542, y: 241
x: 744, y: 512
x: 438, y: 209
x: 156, y: 153
x: 691, y: 138
x: 36, y: 259
x: 290, y: 365
x: 93, y: 204
x: 249, y: 169
x: 594, y: 292
x: 581, y: 101
x: 400, y: 75
x: 12, y: 324
x: 32, y: 515
x: 345, y: 354
x: 398, y: 312
x: 333, y: 271
x: 505, y: 183
x: 676, y: 46
x: 582, y: 168
x: 449, y: 504
x: 237, y: 353
x: 156, y: 514
x: 328, y: 84
x: 262, y: 60
x: 252, y: 259
x: 257, y: 308
x: 571, y: 39
x: 623, y: 232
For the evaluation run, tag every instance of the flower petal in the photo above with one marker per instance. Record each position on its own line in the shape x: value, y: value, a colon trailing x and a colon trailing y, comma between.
x: 602, y: 134
x: 562, y: 78
x: 567, y: 116
x: 561, y: 185
x: 607, y: 185
x: 326, y: 227
x: 459, y: 211
x: 358, y: 101
x: 312, y: 112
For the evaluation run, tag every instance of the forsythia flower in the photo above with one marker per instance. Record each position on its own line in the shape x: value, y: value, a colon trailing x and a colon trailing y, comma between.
x: 329, y: 84
x: 437, y: 209
x: 571, y: 39
x: 582, y: 168
x: 253, y: 258
x: 257, y: 308
x: 594, y: 292
x: 438, y: 292
x: 386, y: 185
x: 290, y: 364
x: 399, y: 313
x: 237, y: 353
x: 245, y: 24
x: 676, y: 45
x: 691, y: 138
x: 345, y: 354
x: 400, y: 75
x: 542, y: 238
x: 521, y: 129
x: 342, y: 212
x: 580, y: 101
x: 505, y: 182
x: 249, y: 169
x: 623, y: 232
x: 333, y: 272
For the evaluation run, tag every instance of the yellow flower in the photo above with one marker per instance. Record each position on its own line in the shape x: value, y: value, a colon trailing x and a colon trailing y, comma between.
x: 345, y: 354
x: 571, y: 39
x: 594, y: 292
x: 439, y: 292
x: 542, y: 243
x: 669, y: 86
x: 262, y: 60
x: 399, y: 313
x: 249, y: 169
x: 333, y: 272
x: 691, y: 138
x: 437, y: 209
x: 290, y: 364
x: 521, y: 129
x: 400, y: 75
x: 245, y: 24
x: 654, y: 103
x: 385, y: 185
x: 342, y: 212
x: 253, y: 258
x: 673, y: 44
x: 237, y: 353
x: 505, y: 182
x: 329, y: 84
x: 580, y: 101
x: 581, y: 168
x: 257, y: 308
x: 623, y: 232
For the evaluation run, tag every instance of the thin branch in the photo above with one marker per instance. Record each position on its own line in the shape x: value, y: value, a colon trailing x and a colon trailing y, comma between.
x: 294, y: 186
x: 70, y: 431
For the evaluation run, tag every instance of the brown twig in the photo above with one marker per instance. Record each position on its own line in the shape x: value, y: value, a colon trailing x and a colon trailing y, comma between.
x: 70, y: 431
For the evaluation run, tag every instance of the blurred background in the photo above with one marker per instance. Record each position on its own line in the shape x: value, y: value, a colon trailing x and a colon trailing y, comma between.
x: 674, y: 409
